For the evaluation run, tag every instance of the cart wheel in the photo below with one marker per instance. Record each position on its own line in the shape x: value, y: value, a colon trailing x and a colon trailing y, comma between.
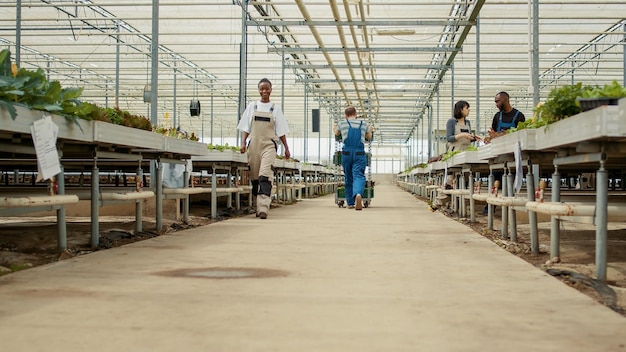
x: 366, y: 204
x: 340, y: 204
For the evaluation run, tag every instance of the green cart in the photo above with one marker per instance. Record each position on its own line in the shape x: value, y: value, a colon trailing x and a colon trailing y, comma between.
x: 340, y: 195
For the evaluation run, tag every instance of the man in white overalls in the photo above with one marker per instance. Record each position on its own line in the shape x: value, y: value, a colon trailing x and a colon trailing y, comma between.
x: 263, y: 123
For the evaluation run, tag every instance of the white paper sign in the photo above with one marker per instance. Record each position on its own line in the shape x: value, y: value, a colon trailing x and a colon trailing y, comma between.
x: 519, y: 169
x: 44, y: 133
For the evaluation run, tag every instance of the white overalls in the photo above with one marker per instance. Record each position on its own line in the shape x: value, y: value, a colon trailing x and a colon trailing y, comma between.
x: 261, y: 156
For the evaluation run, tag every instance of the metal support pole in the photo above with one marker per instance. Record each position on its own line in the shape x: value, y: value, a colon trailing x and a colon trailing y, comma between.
x: 535, y: 52
x: 117, y: 65
x: 61, y: 225
x: 158, y: 186
x: 602, y: 198
x: 243, y: 63
x: 18, y: 32
x: 229, y: 182
x: 139, y: 203
x: 95, y: 205
x: 462, y: 207
x: 555, y: 223
x: 214, y: 194
x: 532, y: 216
x: 238, y: 194
x: 186, y: 198
x: 505, y: 209
x: 512, y: 212
x: 477, y: 27
x: 489, y: 207
x: 471, y: 198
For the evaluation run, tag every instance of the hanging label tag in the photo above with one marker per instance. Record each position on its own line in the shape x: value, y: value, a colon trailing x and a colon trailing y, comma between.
x: 44, y: 133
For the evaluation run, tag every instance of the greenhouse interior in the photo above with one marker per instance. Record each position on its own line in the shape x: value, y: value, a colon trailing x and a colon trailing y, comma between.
x: 134, y: 108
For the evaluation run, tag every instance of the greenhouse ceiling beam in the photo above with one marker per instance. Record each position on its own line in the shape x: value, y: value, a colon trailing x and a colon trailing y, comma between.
x: 362, y: 50
x: 378, y: 67
x: 332, y: 23
x: 389, y: 90
x: 377, y: 80
x: 126, y: 3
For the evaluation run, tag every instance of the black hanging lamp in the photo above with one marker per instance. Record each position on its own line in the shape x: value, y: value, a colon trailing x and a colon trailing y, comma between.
x: 194, y: 105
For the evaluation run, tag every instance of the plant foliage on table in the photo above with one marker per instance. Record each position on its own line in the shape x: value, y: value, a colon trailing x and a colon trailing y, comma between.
x: 32, y: 89
x: 563, y: 102
x: 613, y: 90
x: 222, y: 148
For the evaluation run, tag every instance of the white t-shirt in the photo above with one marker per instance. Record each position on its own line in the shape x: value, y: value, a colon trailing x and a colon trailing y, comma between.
x: 280, y: 124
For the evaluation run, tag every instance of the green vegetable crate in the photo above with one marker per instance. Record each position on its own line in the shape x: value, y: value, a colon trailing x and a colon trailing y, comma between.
x: 340, y: 196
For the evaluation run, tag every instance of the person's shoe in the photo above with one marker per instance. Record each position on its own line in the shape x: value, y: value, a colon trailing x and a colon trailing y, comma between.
x: 263, y: 215
x: 350, y: 206
x: 359, y: 202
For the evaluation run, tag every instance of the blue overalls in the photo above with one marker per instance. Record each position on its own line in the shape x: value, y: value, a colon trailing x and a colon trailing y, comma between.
x: 353, y: 160
x: 506, y: 125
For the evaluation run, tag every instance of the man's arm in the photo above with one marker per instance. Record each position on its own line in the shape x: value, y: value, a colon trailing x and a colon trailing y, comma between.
x: 368, y: 134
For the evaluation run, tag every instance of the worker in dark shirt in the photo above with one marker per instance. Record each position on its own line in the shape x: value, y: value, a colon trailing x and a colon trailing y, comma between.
x: 507, y: 116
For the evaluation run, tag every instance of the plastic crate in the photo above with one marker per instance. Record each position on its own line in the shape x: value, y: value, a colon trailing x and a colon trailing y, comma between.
x: 368, y: 192
x: 337, y: 158
x: 587, y: 104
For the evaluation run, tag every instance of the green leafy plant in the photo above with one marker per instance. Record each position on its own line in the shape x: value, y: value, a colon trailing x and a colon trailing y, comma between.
x: 222, y: 148
x: 449, y: 154
x: 32, y: 89
x: 613, y: 90
x: 562, y: 102
x: 171, y: 132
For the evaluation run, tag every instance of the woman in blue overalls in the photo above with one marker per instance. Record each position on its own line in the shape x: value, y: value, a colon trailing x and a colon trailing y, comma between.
x: 353, y: 159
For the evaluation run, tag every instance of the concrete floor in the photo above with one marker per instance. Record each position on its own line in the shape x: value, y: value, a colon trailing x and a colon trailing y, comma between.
x: 312, y: 277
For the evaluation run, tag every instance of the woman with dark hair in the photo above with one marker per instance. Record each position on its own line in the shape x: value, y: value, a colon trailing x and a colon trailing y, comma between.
x: 458, y: 129
x: 264, y: 127
x: 459, y: 137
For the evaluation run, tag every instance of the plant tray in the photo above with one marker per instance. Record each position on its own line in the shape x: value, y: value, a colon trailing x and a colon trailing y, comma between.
x: 587, y: 104
x: 368, y: 193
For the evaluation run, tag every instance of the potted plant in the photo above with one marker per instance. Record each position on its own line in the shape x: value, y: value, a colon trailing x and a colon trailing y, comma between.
x: 562, y: 102
x: 608, y: 94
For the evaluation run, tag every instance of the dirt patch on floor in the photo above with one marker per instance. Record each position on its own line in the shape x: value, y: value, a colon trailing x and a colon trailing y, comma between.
x: 575, y: 266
